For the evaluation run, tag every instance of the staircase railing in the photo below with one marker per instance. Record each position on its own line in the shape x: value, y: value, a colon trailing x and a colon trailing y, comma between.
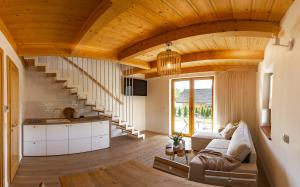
x: 108, y: 84
x: 94, y: 80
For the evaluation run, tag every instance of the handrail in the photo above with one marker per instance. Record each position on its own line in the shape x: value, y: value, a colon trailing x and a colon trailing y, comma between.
x: 93, y: 79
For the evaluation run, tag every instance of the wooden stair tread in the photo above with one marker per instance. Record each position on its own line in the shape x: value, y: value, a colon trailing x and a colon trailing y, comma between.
x: 60, y: 80
x: 40, y: 68
x: 98, y: 110
x: 69, y: 87
x: 90, y: 104
x: 50, y: 74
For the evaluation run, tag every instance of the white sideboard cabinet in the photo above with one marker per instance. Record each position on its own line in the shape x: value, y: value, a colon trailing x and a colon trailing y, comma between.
x: 60, y: 139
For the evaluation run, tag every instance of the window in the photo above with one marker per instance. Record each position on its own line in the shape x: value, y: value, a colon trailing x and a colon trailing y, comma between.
x: 192, y: 105
x: 267, y: 104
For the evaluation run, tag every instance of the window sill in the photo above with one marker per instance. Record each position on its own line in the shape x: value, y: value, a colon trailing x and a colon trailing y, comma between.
x: 266, y: 129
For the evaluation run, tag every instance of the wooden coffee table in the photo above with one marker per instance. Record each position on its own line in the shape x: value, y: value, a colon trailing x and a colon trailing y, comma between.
x: 172, y: 152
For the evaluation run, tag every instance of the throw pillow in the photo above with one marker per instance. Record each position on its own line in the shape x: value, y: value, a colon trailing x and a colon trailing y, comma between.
x: 228, y: 131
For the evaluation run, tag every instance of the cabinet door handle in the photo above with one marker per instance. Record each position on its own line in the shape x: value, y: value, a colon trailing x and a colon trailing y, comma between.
x: 34, y: 143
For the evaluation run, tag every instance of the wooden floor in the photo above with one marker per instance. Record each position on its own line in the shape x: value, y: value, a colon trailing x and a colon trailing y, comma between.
x: 34, y: 170
x: 127, y: 174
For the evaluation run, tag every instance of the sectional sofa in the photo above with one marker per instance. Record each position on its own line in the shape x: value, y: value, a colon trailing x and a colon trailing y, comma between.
x: 240, y: 146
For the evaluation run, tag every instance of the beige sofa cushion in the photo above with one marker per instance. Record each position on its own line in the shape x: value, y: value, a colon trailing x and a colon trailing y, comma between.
x: 240, y: 145
x: 201, y: 140
x: 228, y: 131
x: 218, y: 145
x: 208, y: 135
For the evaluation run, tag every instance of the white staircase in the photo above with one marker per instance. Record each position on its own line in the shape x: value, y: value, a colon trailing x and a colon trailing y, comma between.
x: 98, y: 83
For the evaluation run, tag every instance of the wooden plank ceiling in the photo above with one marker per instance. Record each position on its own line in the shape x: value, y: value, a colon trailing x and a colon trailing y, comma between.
x: 134, y: 31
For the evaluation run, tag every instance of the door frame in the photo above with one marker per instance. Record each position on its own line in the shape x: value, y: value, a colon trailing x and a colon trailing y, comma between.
x: 213, y: 97
x: 191, y: 102
x: 8, y: 64
x: 2, y: 118
x: 172, y: 105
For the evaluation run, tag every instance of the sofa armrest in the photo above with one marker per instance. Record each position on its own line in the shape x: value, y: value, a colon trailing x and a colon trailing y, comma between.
x: 199, y: 143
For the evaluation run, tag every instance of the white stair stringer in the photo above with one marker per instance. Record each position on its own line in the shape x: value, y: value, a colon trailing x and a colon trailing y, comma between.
x: 77, y: 89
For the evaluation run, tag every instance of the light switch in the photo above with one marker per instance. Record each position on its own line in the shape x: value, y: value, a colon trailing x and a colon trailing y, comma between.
x: 286, y: 138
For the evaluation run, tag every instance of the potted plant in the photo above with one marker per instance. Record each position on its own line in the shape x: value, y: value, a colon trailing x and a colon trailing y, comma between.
x: 177, y: 138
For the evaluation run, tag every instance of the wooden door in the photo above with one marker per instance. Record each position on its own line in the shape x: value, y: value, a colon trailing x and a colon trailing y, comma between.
x: 13, y: 118
x: 1, y: 120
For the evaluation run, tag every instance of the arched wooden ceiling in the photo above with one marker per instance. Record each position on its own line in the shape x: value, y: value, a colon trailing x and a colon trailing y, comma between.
x: 134, y: 31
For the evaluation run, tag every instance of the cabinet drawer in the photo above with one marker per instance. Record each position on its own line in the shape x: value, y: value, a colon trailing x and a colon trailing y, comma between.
x: 57, y: 147
x: 34, y: 148
x: 80, y: 145
x: 228, y: 181
x: 100, y: 142
x: 100, y: 128
x: 80, y: 130
x: 57, y: 132
x: 34, y: 132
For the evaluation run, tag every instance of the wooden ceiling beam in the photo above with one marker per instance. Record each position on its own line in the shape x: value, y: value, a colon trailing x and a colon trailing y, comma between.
x: 85, y: 29
x: 98, y: 20
x: 7, y: 34
x: 43, y: 49
x: 208, y: 55
x: 64, y: 50
x: 218, y: 55
x: 211, y: 68
x: 226, y: 28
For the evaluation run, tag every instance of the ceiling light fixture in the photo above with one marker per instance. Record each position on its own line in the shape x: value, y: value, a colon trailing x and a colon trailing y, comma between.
x: 168, y: 62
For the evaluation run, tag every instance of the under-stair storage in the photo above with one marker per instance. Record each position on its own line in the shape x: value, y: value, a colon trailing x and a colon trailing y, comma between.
x: 60, y: 139
x: 57, y: 139
x: 34, y: 140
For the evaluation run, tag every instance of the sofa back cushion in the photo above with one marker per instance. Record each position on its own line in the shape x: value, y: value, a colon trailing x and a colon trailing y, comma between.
x: 240, y: 145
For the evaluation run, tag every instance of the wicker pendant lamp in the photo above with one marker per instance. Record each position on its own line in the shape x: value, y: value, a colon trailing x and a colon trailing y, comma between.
x: 168, y: 62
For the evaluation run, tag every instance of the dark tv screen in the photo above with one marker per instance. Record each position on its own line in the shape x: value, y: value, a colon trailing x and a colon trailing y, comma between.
x: 139, y: 87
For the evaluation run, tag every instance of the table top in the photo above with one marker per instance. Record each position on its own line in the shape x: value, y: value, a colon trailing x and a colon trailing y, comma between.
x: 43, y: 121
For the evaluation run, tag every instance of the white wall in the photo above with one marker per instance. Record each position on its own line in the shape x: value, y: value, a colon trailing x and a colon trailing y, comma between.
x: 158, y: 118
x: 157, y: 105
x: 139, y: 112
x: 43, y: 98
x: 9, y: 51
x: 280, y: 160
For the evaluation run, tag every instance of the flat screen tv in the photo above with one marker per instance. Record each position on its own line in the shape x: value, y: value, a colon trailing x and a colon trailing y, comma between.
x: 139, y: 87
